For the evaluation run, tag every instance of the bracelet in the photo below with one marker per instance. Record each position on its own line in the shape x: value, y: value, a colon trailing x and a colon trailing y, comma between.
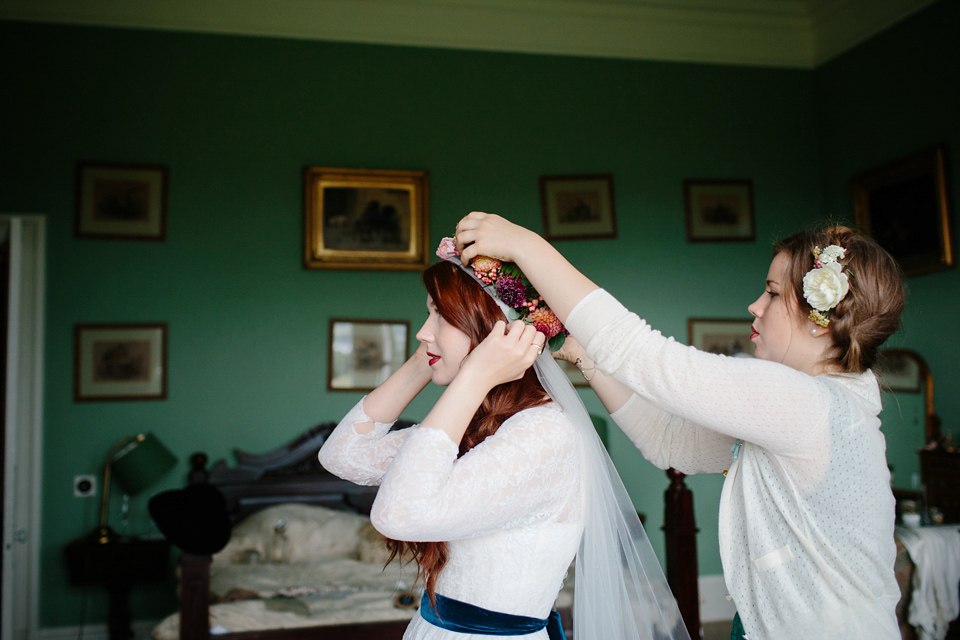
x: 583, y: 371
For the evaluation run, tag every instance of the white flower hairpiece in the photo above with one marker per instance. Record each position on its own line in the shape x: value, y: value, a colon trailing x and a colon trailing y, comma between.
x: 825, y: 285
x: 506, y: 283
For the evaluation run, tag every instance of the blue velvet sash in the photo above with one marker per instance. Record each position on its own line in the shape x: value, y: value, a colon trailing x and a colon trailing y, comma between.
x: 454, y: 615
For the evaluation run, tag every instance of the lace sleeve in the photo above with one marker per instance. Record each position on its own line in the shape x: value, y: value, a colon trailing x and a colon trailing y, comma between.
x: 669, y: 441
x: 519, y: 473
x: 362, y: 458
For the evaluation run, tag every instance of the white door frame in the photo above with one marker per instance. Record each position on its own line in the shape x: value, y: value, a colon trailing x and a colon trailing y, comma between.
x: 24, y: 427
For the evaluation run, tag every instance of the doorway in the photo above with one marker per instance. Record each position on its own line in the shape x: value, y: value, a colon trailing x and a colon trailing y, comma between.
x: 23, y: 241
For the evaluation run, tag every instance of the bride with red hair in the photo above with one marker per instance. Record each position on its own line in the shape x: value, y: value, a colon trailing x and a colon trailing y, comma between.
x: 494, y: 492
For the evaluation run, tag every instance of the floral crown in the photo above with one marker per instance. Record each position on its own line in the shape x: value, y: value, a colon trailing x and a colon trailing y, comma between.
x: 505, y: 282
x: 826, y: 284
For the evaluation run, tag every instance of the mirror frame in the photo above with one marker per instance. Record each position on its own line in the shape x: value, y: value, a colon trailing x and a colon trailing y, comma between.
x: 931, y: 421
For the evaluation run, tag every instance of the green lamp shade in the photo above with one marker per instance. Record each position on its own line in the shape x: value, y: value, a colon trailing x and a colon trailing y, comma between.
x: 140, y: 463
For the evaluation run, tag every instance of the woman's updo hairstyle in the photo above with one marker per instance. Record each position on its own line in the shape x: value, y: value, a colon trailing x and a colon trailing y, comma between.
x: 870, y: 312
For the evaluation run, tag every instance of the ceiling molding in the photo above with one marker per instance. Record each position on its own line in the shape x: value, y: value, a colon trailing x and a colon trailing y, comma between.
x: 771, y: 33
x: 839, y: 26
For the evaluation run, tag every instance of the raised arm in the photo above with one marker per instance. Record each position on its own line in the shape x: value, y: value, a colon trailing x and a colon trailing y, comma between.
x: 361, y: 447
x: 558, y: 281
x: 664, y: 439
x: 504, y: 355
x: 361, y: 458
x: 761, y: 402
x: 526, y: 470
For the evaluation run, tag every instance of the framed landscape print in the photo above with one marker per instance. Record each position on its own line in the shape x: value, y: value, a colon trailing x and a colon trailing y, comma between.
x: 121, y: 201
x: 719, y: 210
x: 903, y: 206
x: 119, y: 362
x: 729, y: 337
x: 363, y: 353
x: 365, y: 219
x: 578, y: 207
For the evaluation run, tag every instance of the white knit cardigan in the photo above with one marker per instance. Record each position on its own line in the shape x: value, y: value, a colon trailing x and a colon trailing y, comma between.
x: 806, y: 514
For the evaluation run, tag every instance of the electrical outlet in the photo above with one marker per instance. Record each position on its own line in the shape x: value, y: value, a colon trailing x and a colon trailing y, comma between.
x: 84, y: 486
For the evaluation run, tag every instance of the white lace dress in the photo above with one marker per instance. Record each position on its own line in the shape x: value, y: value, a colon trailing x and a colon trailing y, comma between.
x: 510, y: 510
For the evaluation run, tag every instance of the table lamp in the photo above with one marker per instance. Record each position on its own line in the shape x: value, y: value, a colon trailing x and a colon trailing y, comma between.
x: 135, y: 463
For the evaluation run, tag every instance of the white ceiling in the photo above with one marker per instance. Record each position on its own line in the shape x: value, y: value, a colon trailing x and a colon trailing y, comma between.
x: 776, y: 33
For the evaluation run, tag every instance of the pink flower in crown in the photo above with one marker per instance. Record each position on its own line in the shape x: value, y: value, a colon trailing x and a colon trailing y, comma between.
x: 545, y: 321
x: 512, y: 292
x: 447, y: 249
x: 486, y: 268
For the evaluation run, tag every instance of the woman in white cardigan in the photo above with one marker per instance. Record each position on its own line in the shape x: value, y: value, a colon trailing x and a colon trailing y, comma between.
x: 806, y: 512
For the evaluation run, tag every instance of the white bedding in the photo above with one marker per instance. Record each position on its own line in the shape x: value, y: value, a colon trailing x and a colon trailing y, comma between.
x: 345, y: 591
x: 332, y: 561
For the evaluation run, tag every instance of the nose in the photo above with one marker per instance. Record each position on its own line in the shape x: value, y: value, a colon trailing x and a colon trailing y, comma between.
x: 756, y: 309
x: 424, y: 334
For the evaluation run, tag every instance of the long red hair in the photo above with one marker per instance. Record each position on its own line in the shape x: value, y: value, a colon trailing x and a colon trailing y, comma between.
x: 461, y: 302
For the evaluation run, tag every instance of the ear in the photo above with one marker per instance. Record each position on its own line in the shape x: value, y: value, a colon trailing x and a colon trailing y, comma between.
x: 817, y: 331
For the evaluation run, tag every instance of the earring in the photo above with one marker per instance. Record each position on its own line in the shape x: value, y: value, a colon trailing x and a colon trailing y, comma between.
x: 813, y: 331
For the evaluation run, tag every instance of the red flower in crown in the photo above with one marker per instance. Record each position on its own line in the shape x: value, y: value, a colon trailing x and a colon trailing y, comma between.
x: 545, y: 321
x: 487, y: 268
x: 507, y: 283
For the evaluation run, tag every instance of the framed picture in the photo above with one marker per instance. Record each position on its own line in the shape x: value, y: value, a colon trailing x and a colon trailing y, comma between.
x: 363, y: 353
x: 903, y: 206
x: 119, y: 362
x: 121, y: 201
x: 578, y: 207
x: 724, y: 336
x: 719, y: 210
x: 899, y: 370
x: 365, y: 219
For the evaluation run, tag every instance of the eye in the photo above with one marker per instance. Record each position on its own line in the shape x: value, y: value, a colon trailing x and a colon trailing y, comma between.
x: 772, y: 293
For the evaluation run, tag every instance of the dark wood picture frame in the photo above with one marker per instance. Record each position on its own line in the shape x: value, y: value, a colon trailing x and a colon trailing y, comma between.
x: 113, y: 362
x: 363, y: 353
x: 116, y: 201
x: 726, y: 336
x: 719, y: 210
x: 903, y: 206
x: 366, y: 219
x: 578, y: 207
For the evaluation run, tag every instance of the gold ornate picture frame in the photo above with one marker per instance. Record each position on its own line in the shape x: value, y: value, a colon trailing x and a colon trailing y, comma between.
x: 365, y: 219
x: 903, y: 206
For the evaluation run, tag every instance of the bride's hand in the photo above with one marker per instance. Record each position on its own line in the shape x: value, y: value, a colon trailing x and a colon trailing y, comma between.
x: 504, y: 355
x: 488, y: 234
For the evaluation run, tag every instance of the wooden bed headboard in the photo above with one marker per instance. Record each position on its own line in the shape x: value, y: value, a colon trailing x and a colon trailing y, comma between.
x: 290, y: 473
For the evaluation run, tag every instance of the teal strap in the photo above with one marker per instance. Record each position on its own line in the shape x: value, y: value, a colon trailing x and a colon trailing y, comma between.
x: 463, y: 617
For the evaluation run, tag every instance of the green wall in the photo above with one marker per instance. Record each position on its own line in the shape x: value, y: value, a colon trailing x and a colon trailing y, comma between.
x: 237, y: 119
x: 888, y: 98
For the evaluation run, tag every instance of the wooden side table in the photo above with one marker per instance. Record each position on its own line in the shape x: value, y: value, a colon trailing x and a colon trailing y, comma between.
x: 118, y: 565
x: 940, y: 473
